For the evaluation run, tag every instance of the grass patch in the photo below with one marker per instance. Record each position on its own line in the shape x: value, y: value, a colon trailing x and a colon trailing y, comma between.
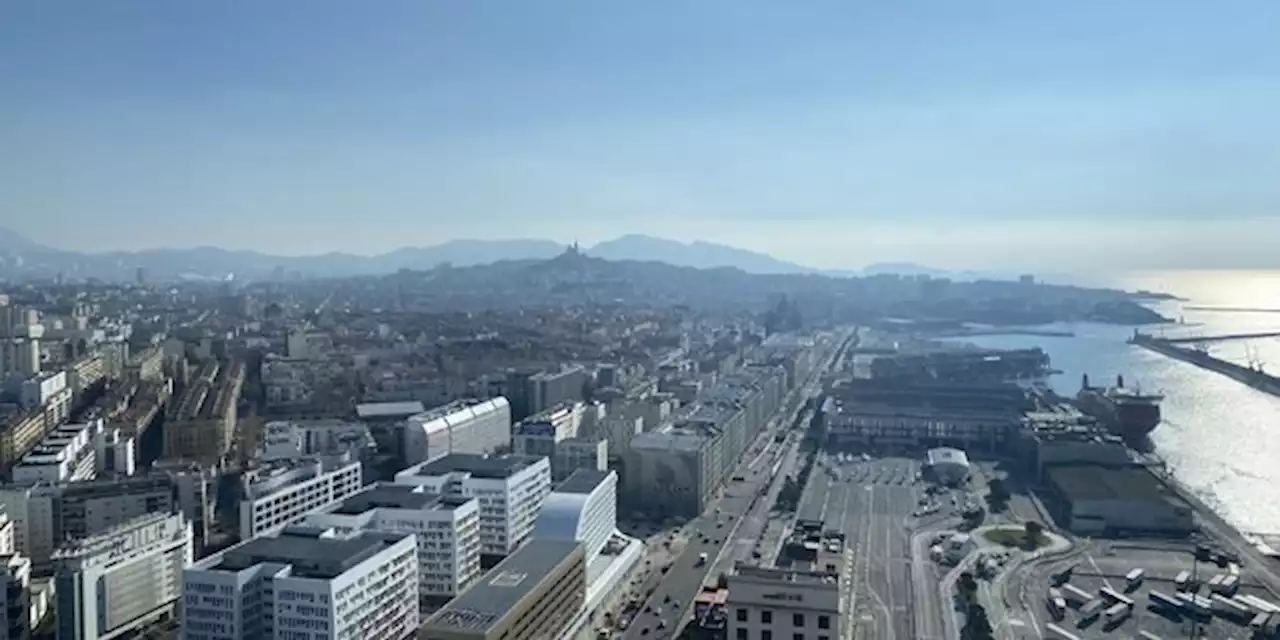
x: 1015, y: 537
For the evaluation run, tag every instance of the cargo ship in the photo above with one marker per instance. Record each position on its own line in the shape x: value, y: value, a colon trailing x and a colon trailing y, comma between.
x: 1127, y: 412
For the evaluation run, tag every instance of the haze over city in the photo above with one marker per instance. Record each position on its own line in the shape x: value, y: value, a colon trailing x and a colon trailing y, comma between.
x: 965, y: 135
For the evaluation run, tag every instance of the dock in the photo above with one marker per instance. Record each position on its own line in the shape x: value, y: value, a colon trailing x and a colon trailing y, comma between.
x: 1254, y: 377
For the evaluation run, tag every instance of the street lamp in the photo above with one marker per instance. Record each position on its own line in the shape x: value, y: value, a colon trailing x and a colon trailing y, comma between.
x: 1201, y: 554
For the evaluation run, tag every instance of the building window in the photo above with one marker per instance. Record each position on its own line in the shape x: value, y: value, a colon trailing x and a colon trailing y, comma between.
x: 797, y: 636
x: 742, y: 615
x: 742, y: 634
x: 824, y: 622
x: 797, y: 619
x: 824, y: 637
x: 766, y: 617
x: 766, y: 635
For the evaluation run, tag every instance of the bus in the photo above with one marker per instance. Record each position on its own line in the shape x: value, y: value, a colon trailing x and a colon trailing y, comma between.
x: 1134, y: 578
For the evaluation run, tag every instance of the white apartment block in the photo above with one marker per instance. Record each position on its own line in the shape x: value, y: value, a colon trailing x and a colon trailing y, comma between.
x: 447, y: 530
x: 123, y: 580
x: 281, y: 492
x: 510, y: 489
x: 305, y: 583
x: 15, y: 586
x: 466, y: 426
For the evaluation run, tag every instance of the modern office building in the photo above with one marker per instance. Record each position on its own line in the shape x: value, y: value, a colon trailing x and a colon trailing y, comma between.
x: 447, y: 529
x: 583, y: 508
x: 466, y: 426
x: 279, y: 493
x: 122, y: 580
x: 536, y: 592
x: 510, y: 488
x: 305, y: 582
x: 45, y: 515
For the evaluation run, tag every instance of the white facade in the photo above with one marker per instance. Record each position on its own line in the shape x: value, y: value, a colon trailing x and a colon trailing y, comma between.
x: 511, y: 490
x: 15, y: 596
x: 115, y: 452
x: 475, y: 427
x: 304, y: 583
x: 786, y: 603
x: 281, y: 493
x: 583, y: 508
x: 42, y: 388
x: 66, y: 454
x: 447, y: 530
x: 122, y: 580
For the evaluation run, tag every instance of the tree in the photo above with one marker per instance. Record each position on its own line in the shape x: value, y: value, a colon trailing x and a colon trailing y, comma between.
x: 997, y: 493
x: 1034, y: 532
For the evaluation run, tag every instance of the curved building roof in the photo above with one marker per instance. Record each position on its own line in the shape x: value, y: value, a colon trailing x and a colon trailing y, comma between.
x: 562, y: 516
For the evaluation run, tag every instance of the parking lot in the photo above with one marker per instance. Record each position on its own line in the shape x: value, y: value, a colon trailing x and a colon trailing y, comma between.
x: 1107, y: 564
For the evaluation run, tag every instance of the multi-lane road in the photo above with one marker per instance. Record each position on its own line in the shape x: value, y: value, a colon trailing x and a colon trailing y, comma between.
x: 872, y: 502
x: 722, y: 534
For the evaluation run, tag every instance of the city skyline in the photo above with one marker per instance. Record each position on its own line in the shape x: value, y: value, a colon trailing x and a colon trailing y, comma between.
x: 993, y: 136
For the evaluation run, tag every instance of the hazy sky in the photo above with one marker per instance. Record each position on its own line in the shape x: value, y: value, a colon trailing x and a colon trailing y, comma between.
x: 1105, y: 133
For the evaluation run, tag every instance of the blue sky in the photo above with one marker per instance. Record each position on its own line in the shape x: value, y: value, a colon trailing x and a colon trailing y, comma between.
x: 976, y: 133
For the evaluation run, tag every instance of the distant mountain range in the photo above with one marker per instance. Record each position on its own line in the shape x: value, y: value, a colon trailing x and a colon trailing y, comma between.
x: 23, y: 259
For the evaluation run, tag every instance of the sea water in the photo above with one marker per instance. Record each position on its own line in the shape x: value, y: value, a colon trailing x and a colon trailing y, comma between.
x: 1219, y: 437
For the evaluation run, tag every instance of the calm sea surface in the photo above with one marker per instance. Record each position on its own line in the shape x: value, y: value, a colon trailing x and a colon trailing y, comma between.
x: 1219, y: 437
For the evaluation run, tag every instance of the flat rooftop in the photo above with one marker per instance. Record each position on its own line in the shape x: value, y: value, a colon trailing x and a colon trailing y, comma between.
x: 310, y: 556
x: 396, y: 496
x: 479, y: 466
x: 582, y: 481
x: 1094, y: 482
x: 502, y: 588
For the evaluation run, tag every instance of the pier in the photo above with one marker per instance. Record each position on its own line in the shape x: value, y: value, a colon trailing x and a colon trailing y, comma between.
x: 1254, y: 377
x: 1221, y: 338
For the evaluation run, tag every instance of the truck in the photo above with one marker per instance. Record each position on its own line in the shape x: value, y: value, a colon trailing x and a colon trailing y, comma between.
x: 1228, y: 608
x: 1230, y: 585
x: 1133, y: 579
x: 702, y: 559
x: 1057, y: 604
x: 1092, y: 610
x: 1076, y: 595
x: 1162, y: 601
x: 1117, y: 612
x: 1183, y: 580
x: 1259, y: 623
x: 1115, y: 596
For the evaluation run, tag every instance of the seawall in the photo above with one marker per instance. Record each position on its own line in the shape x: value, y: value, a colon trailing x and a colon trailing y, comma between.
x: 1254, y: 378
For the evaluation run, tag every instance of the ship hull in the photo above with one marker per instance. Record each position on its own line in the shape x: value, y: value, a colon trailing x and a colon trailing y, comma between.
x: 1133, y: 421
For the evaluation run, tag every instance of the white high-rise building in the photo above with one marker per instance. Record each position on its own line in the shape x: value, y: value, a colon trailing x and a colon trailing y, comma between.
x: 305, y: 582
x: 280, y: 493
x: 583, y: 508
x: 122, y: 580
x: 15, y: 586
x: 447, y: 527
x: 510, y: 489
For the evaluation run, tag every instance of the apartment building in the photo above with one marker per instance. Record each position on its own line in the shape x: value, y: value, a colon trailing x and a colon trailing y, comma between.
x: 305, y: 582
x: 122, y: 580
x: 204, y: 419
x: 289, y: 440
x: 281, y: 492
x: 15, y: 587
x: 510, y: 489
x: 466, y: 426
x: 66, y: 454
x: 447, y: 530
x: 785, y: 603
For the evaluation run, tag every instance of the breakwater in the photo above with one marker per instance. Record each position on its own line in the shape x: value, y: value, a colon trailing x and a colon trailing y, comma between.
x: 1255, y: 378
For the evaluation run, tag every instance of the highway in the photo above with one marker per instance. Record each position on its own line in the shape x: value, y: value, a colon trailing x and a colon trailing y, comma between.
x: 722, y: 533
